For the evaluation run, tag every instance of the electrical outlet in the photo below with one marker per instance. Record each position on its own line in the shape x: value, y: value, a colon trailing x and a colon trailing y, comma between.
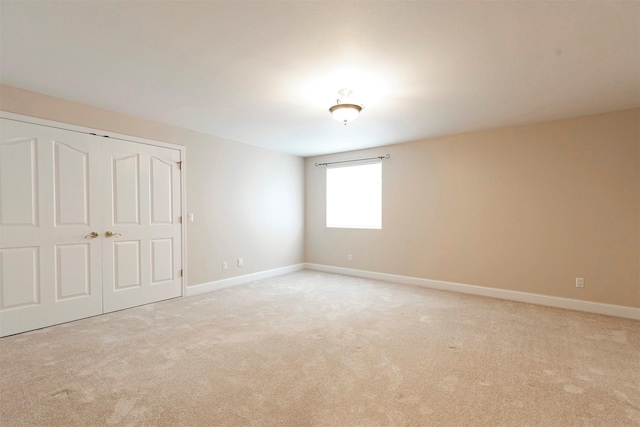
x: 579, y: 282
x: 225, y: 266
x: 240, y: 262
x: 349, y: 257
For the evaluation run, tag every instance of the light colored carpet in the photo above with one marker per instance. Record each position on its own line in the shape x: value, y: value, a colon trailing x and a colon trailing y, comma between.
x: 317, y: 349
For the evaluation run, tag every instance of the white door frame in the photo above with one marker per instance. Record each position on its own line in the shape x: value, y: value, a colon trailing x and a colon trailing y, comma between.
x: 113, y: 135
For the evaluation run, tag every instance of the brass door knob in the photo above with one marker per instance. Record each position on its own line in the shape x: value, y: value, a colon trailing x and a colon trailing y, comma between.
x: 93, y: 235
x: 111, y: 234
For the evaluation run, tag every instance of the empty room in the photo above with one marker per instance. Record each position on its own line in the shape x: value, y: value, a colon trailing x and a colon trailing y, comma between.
x: 319, y: 213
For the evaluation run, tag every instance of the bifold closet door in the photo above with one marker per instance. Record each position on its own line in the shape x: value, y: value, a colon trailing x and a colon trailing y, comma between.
x: 50, y: 220
x: 88, y: 225
x: 142, y: 239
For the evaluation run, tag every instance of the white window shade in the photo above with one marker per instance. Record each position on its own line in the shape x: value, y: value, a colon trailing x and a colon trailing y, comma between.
x: 354, y: 196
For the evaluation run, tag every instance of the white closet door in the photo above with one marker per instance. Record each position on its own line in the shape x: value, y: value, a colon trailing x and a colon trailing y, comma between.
x: 50, y: 266
x: 61, y: 192
x: 142, y: 259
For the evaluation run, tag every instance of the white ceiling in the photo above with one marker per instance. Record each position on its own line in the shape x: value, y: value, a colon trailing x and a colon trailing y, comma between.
x: 265, y: 73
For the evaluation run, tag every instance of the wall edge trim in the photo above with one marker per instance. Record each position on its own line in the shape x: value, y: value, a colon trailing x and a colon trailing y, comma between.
x: 240, y: 280
x: 537, y: 299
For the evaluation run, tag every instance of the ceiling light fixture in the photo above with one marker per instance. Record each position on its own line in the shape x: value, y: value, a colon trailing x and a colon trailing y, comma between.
x: 345, y: 110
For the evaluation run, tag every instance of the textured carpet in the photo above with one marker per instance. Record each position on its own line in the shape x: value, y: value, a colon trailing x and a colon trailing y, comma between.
x: 317, y: 349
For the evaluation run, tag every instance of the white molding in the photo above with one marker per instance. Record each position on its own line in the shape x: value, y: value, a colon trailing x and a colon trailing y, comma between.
x: 83, y: 129
x: 550, y: 301
x: 240, y: 280
x: 184, y: 217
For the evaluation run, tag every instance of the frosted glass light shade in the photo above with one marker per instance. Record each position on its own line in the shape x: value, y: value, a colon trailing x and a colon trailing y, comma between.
x: 345, y: 112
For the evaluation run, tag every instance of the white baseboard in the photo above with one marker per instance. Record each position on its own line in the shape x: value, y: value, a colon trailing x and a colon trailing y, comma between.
x: 571, y: 304
x: 240, y: 280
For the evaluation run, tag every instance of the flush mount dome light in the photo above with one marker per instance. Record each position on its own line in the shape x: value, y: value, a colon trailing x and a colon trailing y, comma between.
x: 345, y: 111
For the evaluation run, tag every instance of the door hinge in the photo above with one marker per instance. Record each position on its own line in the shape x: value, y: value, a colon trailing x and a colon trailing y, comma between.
x: 180, y: 165
x: 181, y: 273
x: 180, y: 219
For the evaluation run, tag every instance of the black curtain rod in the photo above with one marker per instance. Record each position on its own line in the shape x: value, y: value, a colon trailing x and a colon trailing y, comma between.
x: 355, y: 160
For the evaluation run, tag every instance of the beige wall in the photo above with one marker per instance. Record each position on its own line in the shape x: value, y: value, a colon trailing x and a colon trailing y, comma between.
x: 248, y: 202
x: 527, y: 209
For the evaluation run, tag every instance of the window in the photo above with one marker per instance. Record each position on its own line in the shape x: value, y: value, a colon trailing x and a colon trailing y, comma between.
x: 354, y: 196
